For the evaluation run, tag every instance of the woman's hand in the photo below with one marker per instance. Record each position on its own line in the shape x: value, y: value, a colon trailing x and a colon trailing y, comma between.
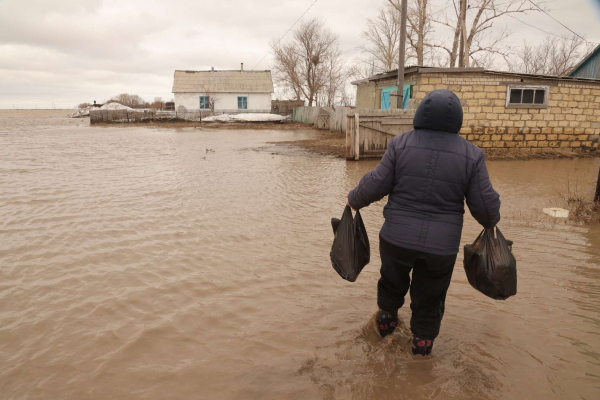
x: 348, y: 203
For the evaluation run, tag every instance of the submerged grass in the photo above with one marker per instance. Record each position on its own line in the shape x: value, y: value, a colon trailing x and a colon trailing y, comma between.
x: 582, y: 209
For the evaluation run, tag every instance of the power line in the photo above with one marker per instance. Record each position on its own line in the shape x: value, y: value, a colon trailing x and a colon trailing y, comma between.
x: 348, y: 51
x: 535, y: 27
x: 362, y: 46
x: 433, y: 14
x: 441, y: 9
x: 566, y: 27
x: 286, y: 32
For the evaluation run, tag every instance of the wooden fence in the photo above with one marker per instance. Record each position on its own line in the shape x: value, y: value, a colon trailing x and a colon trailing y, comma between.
x: 140, y: 116
x: 306, y: 115
x: 334, y: 118
x: 328, y: 118
x: 369, y: 131
x: 338, y: 119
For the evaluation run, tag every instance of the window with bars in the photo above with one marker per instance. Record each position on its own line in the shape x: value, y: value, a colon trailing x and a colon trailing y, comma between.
x: 242, y: 103
x: 527, y: 96
x: 205, y: 102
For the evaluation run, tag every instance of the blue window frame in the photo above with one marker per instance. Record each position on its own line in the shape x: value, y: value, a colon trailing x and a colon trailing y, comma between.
x: 242, y: 103
x: 385, y: 96
x: 205, y: 102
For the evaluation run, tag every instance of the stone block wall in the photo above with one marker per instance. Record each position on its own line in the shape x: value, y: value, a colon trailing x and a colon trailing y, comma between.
x: 571, y: 121
x: 368, y: 94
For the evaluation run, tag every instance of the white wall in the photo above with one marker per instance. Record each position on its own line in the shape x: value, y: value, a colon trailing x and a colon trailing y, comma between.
x: 226, y: 102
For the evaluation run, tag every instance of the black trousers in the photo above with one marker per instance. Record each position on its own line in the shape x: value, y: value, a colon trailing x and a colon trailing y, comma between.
x: 430, y: 281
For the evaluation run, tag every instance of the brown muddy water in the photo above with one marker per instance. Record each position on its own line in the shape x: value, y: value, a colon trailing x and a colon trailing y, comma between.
x: 134, y: 264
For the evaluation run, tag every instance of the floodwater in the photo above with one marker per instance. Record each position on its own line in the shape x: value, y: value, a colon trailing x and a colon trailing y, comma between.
x: 136, y: 263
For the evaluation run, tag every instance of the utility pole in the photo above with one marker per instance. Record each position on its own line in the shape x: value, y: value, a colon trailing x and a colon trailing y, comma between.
x: 463, y: 13
x: 402, y: 51
x: 466, y: 54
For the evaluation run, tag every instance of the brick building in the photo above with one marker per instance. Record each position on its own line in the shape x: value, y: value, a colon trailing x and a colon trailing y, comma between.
x: 504, y: 109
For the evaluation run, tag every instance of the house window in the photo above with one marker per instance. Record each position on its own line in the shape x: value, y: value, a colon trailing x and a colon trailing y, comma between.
x: 205, y: 102
x: 527, y: 96
x: 242, y: 103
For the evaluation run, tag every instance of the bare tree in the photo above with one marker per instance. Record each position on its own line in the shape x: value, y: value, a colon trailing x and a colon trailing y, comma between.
x: 419, y: 26
x: 303, y: 64
x: 158, y: 103
x: 213, y: 97
x: 363, y: 68
x: 481, y: 39
x: 383, y: 36
x: 554, y: 56
x: 287, y: 69
x: 130, y: 100
x: 336, y: 78
x: 347, y: 97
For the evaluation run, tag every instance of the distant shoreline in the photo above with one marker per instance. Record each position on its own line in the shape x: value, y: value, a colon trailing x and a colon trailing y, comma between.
x: 327, y: 143
x: 286, y: 126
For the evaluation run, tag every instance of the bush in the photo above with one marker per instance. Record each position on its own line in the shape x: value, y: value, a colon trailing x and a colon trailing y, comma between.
x: 130, y: 100
x: 582, y: 209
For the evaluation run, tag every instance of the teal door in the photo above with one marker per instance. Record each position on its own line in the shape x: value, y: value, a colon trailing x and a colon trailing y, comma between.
x: 385, y: 96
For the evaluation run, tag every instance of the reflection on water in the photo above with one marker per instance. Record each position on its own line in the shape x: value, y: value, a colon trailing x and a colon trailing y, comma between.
x: 135, y: 264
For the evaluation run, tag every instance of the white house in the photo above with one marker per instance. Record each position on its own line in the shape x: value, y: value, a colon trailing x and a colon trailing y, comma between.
x: 229, y: 92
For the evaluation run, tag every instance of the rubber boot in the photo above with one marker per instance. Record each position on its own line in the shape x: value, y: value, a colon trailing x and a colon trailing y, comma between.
x: 422, y: 346
x: 386, y: 322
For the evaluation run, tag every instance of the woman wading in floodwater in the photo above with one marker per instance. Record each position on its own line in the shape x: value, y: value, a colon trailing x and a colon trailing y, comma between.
x: 427, y: 174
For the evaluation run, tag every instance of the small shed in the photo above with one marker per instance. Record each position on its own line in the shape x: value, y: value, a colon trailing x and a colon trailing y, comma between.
x: 505, y: 109
x: 223, y: 92
x: 589, y: 67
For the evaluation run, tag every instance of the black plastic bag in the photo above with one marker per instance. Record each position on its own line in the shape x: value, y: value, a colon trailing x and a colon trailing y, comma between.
x: 491, y: 266
x: 350, y: 251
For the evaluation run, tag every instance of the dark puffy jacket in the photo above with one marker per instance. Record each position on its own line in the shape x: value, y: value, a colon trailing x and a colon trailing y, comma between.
x: 427, y: 174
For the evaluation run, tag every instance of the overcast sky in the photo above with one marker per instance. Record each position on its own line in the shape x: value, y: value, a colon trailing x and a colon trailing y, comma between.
x: 65, y: 52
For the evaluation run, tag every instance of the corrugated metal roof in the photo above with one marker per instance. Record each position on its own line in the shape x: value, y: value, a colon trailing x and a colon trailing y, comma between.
x: 223, y: 82
x: 424, y: 70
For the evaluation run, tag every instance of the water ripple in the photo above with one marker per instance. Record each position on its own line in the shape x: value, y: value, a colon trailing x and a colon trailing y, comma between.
x: 133, y: 264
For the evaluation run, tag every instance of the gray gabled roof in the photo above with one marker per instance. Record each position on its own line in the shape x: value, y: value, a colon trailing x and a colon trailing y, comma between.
x: 222, y: 82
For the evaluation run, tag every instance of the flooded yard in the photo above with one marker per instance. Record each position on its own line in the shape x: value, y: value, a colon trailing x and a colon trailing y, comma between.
x: 155, y: 263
